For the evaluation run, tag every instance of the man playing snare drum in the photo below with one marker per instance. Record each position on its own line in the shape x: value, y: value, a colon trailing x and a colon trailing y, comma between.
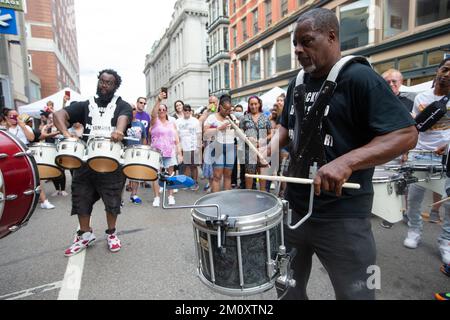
x: 105, y: 115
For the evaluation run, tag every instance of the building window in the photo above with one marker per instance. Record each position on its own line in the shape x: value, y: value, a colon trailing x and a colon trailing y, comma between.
x: 225, y: 8
x: 255, y: 22
x: 384, y: 66
x: 30, y: 62
x: 283, y: 54
x: 225, y: 39
x: 244, y: 65
x: 268, y: 9
x: 269, y: 61
x: 284, y: 8
x: 431, y: 11
x: 301, y: 2
x: 234, y: 30
x: 435, y: 57
x: 255, y: 66
x: 226, y: 72
x: 412, y: 62
x: 353, y: 19
x: 244, y: 29
x: 235, y: 74
x: 396, y: 15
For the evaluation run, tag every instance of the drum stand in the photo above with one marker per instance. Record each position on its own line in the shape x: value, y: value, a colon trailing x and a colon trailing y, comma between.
x: 279, y: 268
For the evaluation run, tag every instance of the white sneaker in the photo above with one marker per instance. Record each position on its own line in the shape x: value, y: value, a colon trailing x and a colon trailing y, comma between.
x: 171, y: 200
x: 156, y: 202
x: 47, y: 205
x: 444, y: 248
x: 80, y: 243
x: 413, y: 239
x: 54, y: 194
x: 64, y: 194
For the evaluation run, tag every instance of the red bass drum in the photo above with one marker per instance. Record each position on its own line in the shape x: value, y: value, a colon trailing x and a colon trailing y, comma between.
x: 19, y: 184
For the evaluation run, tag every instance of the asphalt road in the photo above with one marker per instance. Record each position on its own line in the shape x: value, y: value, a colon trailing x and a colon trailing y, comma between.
x: 158, y: 259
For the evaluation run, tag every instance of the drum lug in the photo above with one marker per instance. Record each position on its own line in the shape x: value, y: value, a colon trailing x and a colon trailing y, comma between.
x: 11, y: 197
x: 283, y: 261
x: 28, y: 192
x: 15, y: 228
x: 3, y: 155
x: 22, y: 154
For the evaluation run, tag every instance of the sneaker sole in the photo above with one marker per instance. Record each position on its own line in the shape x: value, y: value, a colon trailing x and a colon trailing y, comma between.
x: 84, y: 248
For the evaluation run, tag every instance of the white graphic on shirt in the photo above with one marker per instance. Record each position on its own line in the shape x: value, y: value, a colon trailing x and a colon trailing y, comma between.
x: 101, y: 118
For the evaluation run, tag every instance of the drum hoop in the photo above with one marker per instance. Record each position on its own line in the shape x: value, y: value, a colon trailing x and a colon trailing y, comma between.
x: 42, y: 144
x: 268, y: 215
x: 73, y: 140
x: 143, y: 147
x: 104, y: 139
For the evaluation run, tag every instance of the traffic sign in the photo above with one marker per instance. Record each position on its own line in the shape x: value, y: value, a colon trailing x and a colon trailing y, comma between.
x: 12, y: 4
x: 8, y: 23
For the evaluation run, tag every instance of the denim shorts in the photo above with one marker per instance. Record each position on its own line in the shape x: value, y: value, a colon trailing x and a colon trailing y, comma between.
x: 224, y: 155
x: 169, y: 162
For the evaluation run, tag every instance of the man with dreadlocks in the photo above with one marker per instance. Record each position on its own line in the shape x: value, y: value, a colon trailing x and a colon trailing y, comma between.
x: 103, y: 114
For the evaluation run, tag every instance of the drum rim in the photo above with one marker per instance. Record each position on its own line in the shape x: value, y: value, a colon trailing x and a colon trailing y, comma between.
x: 42, y: 144
x: 141, y: 146
x: 95, y: 139
x: 76, y: 140
x: 140, y: 165
x: 261, y: 218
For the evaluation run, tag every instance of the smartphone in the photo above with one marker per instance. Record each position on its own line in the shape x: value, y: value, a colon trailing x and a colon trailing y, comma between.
x: 67, y: 93
x: 164, y: 89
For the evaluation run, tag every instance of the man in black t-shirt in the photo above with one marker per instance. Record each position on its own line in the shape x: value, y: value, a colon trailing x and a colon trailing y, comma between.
x: 364, y: 125
x: 104, y: 115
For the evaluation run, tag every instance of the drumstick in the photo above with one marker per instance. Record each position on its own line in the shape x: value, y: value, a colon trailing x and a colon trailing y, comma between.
x: 439, y: 202
x: 347, y: 185
x: 242, y: 135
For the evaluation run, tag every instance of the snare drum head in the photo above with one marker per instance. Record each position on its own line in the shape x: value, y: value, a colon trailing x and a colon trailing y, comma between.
x: 237, y: 204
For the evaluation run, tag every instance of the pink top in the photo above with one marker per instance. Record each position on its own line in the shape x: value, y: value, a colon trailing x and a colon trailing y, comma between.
x: 163, y: 138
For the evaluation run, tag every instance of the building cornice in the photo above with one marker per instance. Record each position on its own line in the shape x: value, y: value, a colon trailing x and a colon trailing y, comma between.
x: 222, y: 20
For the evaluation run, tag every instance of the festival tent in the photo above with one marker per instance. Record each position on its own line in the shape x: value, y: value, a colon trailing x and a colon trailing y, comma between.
x: 270, y: 97
x: 34, y: 109
x: 417, y: 88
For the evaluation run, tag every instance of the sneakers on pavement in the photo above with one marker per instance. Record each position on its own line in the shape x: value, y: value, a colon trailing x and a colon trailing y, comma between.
x: 135, y: 199
x: 434, y: 217
x: 386, y: 224
x: 445, y: 269
x: 64, y: 193
x: 156, y: 202
x: 195, y: 187
x: 80, y: 243
x: 413, y: 239
x: 55, y: 194
x: 47, y: 205
x: 171, y: 200
x: 113, y: 242
x: 444, y: 248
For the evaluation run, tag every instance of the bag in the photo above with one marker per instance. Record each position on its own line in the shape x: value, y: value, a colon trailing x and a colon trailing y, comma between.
x: 431, y: 114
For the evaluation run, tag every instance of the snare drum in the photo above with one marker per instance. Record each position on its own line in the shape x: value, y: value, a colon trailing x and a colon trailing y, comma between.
x: 141, y: 163
x: 19, y: 184
x: 251, y: 243
x: 70, y: 153
x: 45, y: 154
x: 387, y: 204
x: 431, y: 175
x: 103, y: 154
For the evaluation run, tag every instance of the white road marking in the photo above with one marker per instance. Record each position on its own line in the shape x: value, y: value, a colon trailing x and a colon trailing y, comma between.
x: 71, y: 283
x: 29, y: 292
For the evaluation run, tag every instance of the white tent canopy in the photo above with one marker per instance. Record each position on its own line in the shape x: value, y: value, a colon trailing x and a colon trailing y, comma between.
x: 270, y: 97
x: 417, y: 88
x: 34, y: 109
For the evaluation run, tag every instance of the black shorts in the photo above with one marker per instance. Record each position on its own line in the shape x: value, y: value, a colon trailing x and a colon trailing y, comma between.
x: 89, y: 186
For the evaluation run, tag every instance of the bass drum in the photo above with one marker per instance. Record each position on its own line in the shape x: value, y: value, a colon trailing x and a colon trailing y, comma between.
x: 19, y: 184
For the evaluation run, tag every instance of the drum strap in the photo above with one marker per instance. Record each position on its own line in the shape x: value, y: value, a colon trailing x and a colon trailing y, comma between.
x: 307, y: 145
x: 101, y: 117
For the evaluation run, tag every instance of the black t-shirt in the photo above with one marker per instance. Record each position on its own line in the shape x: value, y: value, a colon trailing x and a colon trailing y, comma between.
x: 99, y: 116
x: 408, y: 103
x: 362, y: 107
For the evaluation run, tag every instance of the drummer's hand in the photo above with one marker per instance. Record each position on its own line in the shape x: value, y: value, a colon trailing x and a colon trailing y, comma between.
x: 440, y: 150
x: 117, y: 136
x: 331, y: 177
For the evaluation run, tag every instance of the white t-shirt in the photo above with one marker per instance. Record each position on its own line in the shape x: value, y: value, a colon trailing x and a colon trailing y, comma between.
x: 189, y: 131
x: 223, y: 136
x: 437, y: 135
x: 18, y: 132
